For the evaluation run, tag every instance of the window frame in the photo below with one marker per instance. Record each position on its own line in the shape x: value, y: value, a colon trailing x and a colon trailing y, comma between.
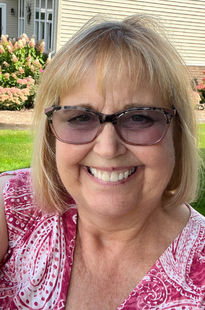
x: 3, y: 18
x: 21, y: 17
x: 43, y: 27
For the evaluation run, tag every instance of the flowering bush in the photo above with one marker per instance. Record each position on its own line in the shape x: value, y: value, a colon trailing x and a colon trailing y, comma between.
x: 201, y: 89
x: 12, y: 98
x: 21, y: 65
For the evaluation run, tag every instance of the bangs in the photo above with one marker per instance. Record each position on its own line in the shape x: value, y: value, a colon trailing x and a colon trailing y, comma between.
x: 115, y: 55
x: 118, y: 62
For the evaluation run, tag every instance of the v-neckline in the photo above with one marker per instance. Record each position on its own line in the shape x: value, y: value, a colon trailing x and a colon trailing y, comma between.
x: 150, y: 279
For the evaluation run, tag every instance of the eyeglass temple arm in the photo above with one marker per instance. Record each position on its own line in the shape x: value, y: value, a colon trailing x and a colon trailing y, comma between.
x: 49, y: 112
x: 169, y: 116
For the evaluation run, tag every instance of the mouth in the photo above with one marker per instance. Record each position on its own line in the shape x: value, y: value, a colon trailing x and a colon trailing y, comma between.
x: 112, y: 176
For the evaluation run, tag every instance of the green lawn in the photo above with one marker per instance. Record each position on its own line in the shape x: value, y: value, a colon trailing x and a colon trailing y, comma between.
x: 201, y: 139
x: 199, y: 205
x: 15, y: 153
x: 15, y: 149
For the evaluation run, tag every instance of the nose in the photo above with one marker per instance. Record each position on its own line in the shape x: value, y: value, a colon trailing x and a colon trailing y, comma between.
x: 108, y: 144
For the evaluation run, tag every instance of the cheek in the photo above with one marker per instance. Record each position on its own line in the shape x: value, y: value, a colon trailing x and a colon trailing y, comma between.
x: 70, y: 155
x: 165, y: 157
x: 67, y: 161
x: 168, y: 149
x: 159, y: 159
x: 159, y: 162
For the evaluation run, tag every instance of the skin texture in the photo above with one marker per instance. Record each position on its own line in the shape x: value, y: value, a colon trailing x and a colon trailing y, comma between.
x: 155, y: 163
x: 123, y: 227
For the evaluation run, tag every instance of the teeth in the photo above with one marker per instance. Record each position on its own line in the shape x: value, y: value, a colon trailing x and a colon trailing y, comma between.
x: 99, y: 175
x: 114, y: 177
x: 121, y: 176
x: 105, y: 176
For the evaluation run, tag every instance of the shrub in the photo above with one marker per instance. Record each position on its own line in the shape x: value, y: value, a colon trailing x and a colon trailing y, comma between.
x: 22, y: 63
x: 201, y: 89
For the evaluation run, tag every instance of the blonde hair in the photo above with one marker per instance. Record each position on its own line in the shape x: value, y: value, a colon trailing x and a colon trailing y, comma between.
x: 137, y: 48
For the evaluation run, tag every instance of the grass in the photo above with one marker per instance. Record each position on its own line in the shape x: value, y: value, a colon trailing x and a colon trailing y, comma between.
x: 199, y: 205
x: 201, y: 133
x: 15, y: 149
x: 16, y: 146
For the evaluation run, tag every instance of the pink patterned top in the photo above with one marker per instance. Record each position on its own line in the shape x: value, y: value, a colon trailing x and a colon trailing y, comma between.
x: 36, y: 270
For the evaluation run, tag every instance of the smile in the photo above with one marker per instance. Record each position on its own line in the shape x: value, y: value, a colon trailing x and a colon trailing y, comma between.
x: 111, y: 177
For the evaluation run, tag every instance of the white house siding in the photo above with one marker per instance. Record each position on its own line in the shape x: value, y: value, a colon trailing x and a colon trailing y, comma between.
x: 184, y: 20
x: 11, y: 20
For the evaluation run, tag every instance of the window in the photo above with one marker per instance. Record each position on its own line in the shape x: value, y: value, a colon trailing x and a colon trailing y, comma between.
x: 21, y: 9
x: 2, y: 18
x: 44, y: 22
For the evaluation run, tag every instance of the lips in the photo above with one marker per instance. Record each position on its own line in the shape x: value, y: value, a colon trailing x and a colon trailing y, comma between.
x: 113, y: 176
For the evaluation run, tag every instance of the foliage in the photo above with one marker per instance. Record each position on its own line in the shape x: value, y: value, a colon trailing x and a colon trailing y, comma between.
x: 201, y: 89
x: 21, y: 65
x: 199, y: 205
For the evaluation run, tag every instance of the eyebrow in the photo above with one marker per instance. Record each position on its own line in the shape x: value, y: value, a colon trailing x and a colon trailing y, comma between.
x: 85, y: 105
x: 126, y: 106
x: 134, y: 105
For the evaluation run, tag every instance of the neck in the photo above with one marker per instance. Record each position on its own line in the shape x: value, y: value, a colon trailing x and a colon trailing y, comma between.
x: 146, y: 227
x: 120, y: 230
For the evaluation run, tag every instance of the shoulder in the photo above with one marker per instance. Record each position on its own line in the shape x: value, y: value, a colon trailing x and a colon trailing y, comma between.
x: 3, y: 225
x: 192, y: 237
x: 18, y: 181
x: 183, y: 263
x: 186, y: 254
x: 15, y: 192
x: 17, y: 189
x: 197, y: 220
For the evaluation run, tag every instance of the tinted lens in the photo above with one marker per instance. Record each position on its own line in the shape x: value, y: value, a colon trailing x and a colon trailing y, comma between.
x: 142, y: 127
x: 75, y: 126
x: 137, y: 126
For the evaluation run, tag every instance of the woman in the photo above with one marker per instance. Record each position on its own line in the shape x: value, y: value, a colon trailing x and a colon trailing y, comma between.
x: 115, y: 162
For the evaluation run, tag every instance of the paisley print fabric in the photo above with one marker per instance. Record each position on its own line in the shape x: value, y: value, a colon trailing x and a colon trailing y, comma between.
x: 36, y: 269
x: 35, y: 272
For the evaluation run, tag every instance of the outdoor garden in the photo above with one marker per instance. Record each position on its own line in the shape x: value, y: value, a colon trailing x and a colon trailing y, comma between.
x: 22, y: 63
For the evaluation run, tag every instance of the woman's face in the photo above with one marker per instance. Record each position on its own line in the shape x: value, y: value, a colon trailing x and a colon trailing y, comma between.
x: 108, y: 154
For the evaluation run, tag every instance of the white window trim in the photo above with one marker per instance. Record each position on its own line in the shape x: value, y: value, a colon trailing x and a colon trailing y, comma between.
x: 21, y: 18
x: 45, y: 21
x: 3, y: 6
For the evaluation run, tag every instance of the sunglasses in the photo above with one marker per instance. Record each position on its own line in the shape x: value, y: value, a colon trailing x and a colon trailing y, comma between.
x: 136, y: 126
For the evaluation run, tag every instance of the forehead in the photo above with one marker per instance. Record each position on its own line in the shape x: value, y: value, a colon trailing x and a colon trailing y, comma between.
x: 92, y: 93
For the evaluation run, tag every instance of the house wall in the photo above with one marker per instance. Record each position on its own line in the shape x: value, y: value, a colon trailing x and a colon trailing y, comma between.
x: 29, y: 27
x: 184, y: 20
x: 11, y: 20
x: 197, y: 72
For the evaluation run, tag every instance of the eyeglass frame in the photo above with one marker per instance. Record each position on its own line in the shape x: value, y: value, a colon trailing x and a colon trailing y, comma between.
x: 110, y: 118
